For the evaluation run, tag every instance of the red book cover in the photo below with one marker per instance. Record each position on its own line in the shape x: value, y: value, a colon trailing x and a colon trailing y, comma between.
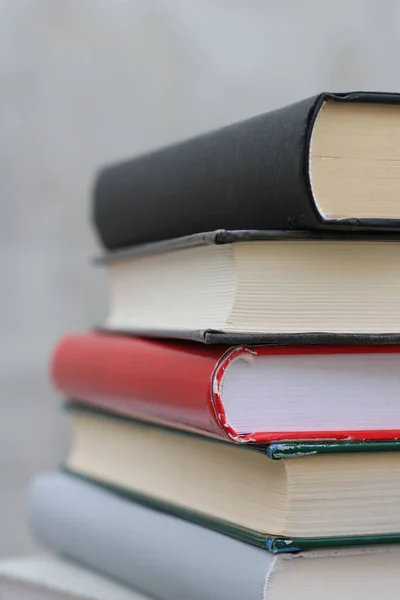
x: 178, y: 384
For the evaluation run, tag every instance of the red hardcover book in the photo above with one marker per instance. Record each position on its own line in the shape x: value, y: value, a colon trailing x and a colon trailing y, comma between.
x: 254, y: 394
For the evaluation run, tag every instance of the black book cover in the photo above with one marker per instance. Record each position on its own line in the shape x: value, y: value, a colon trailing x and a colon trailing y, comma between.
x: 251, y: 175
x: 319, y: 338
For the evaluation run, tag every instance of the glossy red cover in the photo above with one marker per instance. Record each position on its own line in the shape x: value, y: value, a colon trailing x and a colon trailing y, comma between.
x: 152, y: 380
x: 175, y: 384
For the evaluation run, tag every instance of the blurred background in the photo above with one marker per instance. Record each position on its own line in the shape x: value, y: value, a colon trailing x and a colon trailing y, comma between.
x: 85, y: 82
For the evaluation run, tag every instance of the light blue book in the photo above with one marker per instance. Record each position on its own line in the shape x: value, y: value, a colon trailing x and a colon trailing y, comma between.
x: 169, y: 558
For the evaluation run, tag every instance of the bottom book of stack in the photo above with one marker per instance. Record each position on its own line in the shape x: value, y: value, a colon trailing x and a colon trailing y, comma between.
x: 168, y: 558
x: 51, y: 578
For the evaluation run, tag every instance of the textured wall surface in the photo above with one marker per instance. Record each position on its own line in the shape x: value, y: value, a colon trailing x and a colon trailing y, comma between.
x: 84, y: 82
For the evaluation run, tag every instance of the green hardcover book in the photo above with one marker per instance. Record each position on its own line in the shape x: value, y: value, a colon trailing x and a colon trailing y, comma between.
x: 284, y: 497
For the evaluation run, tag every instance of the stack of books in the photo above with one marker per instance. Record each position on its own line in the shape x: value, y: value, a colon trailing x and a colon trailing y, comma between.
x: 236, y: 418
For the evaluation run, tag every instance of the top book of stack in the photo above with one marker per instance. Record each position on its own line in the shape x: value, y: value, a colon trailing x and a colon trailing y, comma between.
x: 330, y: 163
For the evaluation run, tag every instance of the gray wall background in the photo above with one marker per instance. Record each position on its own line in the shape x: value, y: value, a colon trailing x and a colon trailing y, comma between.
x: 83, y: 82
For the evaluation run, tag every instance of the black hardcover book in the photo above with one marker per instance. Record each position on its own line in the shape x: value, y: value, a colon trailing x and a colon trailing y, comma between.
x: 259, y: 287
x: 330, y: 162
